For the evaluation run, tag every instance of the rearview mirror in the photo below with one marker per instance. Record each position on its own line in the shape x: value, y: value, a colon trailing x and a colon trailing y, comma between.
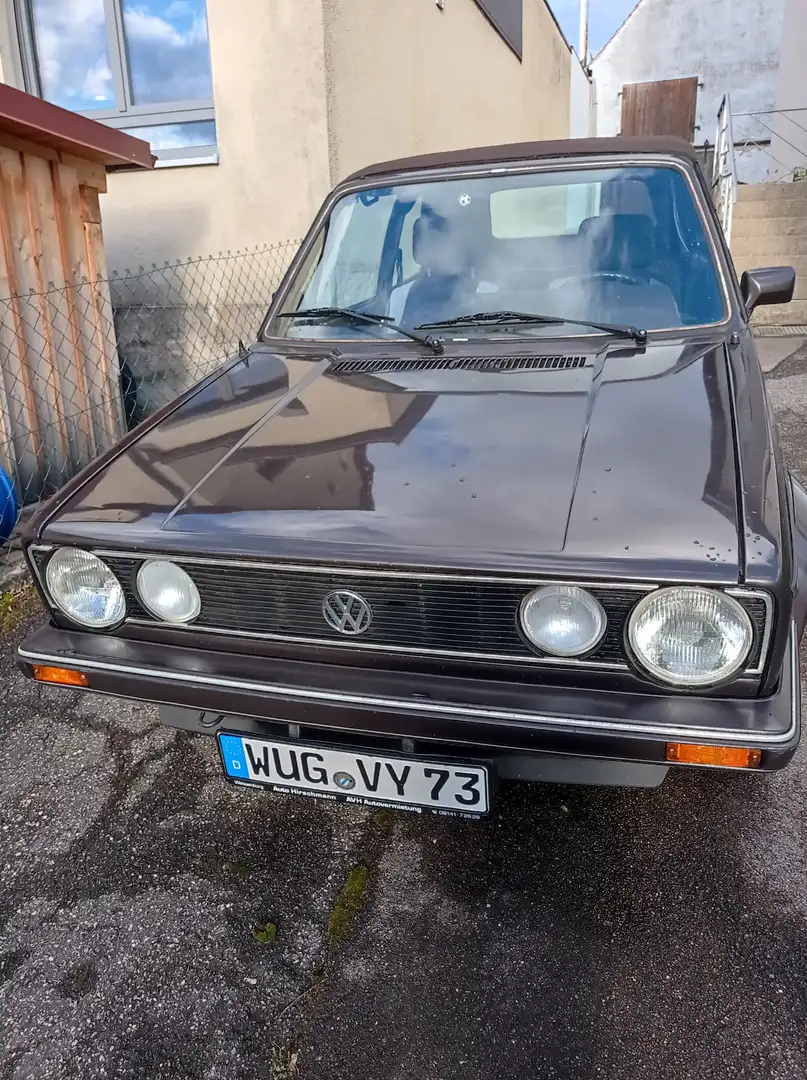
x: 769, y: 285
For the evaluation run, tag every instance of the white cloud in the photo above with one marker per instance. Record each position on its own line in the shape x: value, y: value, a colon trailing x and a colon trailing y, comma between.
x: 143, y: 25
x: 168, y: 52
x: 72, y: 52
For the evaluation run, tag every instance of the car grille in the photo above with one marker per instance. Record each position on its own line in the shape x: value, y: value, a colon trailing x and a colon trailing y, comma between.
x: 455, y: 363
x: 425, y: 614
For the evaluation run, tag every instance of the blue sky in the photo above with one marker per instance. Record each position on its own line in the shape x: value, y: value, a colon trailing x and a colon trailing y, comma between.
x: 605, y: 17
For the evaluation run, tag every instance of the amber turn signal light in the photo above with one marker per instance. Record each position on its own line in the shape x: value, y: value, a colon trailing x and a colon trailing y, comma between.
x: 60, y: 675
x: 731, y: 757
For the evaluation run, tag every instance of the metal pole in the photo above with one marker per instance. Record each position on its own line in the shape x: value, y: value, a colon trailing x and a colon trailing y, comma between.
x: 584, y: 32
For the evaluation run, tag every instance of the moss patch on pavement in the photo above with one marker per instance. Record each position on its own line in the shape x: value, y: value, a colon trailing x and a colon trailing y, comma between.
x: 348, y: 903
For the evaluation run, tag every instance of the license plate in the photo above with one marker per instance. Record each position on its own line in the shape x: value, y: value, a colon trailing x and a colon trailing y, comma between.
x: 363, y: 779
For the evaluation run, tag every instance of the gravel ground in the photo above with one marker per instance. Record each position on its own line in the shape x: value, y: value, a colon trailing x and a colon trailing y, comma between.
x: 578, y: 933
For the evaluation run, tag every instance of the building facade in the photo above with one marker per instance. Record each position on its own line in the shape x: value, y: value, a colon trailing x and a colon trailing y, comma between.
x: 730, y: 46
x: 255, y: 108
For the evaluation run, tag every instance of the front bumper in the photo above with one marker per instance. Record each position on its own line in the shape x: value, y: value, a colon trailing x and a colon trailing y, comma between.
x: 488, y: 717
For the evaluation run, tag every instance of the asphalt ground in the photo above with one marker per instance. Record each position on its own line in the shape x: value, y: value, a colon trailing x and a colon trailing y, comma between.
x: 155, y: 922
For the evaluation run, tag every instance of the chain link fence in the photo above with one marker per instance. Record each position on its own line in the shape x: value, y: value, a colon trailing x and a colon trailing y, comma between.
x: 83, y: 364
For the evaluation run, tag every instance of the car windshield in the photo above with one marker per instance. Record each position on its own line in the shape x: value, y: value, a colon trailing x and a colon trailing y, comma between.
x: 622, y: 245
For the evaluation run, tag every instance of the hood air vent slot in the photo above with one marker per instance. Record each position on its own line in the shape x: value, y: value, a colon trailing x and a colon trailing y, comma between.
x: 456, y: 363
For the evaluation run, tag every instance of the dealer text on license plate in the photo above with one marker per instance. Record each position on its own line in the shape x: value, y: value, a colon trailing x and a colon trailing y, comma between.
x: 366, y: 779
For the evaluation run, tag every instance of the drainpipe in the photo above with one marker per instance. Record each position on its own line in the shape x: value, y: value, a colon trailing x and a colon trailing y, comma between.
x: 584, y: 32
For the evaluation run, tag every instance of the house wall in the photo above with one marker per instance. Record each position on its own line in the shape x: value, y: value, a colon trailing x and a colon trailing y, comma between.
x: 269, y: 92
x: 789, y: 149
x: 582, y: 107
x: 731, y: 45
x: 408, y: 78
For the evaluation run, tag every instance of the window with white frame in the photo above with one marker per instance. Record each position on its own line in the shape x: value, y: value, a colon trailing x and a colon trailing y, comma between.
x: 139, y: 65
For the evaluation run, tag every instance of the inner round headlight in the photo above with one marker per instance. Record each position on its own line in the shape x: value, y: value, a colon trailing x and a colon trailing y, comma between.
x: 168, y: 592
x: 84, y: 588
x: 690, y: 636
x: 563, y: 620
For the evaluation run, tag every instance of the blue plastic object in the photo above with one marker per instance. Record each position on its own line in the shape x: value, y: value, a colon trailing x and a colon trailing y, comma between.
x: 9, y: 506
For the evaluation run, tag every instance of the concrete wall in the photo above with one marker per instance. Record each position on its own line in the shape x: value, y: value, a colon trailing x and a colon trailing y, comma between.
x: 269, y: 90
x: 406, y: 78
x: 731, y: 45
x: 789, y: 151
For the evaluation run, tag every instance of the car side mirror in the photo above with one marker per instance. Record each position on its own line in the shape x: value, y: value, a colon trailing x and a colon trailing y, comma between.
x: 769, y: 285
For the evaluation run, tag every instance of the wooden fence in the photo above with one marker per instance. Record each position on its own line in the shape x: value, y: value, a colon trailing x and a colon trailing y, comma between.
x: 60, y: 395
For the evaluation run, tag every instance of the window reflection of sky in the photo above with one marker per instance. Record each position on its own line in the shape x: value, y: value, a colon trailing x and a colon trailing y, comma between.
x: 176, y: 136
x: 169, y: 59
x: 167, y: 47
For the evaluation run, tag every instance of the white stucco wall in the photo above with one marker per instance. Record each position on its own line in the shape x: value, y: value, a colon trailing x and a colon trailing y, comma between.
x: 790, y: 151
x: 582, y: 120
x: 405, y: 77
x: 730, y: 45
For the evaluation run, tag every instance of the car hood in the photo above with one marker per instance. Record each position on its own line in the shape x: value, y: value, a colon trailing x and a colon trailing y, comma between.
x: 621, y: 461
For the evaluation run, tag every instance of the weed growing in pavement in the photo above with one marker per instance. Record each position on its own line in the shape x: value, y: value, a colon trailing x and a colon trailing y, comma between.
x: 15, y: 605
x: 265, y: 933
x: 283, y: 1065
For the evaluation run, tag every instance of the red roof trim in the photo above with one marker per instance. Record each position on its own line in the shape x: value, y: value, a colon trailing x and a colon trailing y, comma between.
x: 38, y: 121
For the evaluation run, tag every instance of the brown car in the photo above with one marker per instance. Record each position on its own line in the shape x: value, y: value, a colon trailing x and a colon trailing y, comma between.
x: 495, y: 494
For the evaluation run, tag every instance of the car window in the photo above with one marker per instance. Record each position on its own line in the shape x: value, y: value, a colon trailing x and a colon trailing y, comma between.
x: 606, y: 244
x: 349, y: 271
x: 535, y: 211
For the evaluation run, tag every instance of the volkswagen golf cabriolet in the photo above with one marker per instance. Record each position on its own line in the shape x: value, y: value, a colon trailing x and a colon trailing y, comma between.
x: 495, y: 494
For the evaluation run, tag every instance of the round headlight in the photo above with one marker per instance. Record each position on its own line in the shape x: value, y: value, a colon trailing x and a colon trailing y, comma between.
x: 168, y: 592
x: 84, y: 588
x: 690, y: 636
x: 563, y: 620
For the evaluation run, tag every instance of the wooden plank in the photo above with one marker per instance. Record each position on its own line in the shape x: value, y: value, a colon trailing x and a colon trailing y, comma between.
x: 67, y: 202
x: 668, y: 107
x: 81, y: 293
x: 18, y: 379
x: 51, y: 325
x: 106, y: 352
x: 90, y: 173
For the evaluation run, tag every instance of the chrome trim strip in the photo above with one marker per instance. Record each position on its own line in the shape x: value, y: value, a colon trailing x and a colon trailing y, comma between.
x: 350, y: 571
x: 473, y: 712
x: 513, y: 658
x: 768, y: 629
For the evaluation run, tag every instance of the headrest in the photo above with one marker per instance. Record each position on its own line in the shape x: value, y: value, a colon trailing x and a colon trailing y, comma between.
x: 586, y: 225
x: 427, y: 233
x: 438, y: 244
x: 621, y: 243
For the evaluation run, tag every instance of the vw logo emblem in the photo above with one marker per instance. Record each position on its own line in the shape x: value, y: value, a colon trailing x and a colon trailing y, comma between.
x: 347, y: 612
x: 344, y: 780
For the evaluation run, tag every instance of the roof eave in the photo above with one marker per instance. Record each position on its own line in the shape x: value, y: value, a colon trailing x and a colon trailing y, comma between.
x: 37, y: 121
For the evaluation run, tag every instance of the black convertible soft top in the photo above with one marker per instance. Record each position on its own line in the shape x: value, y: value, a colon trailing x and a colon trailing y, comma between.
x: 531, y: 151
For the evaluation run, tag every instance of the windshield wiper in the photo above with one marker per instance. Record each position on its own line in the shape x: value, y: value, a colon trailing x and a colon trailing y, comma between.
x: 524, y: 318
x: 364, y: 317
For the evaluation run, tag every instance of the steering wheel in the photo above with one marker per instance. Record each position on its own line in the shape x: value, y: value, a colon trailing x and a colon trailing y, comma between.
x: 610, y: 275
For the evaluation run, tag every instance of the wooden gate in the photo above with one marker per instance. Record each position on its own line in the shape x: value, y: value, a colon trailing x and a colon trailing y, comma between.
x: 660, y: 108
